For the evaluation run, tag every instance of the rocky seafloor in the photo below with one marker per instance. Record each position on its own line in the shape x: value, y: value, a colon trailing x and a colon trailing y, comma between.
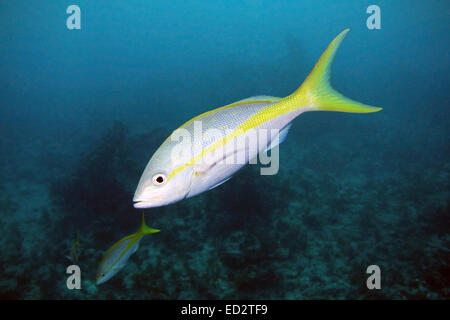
x: 339, y: 204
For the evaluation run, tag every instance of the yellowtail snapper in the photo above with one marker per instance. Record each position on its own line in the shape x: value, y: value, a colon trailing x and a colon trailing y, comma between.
x: 117, y: 256
x: 166, y: 179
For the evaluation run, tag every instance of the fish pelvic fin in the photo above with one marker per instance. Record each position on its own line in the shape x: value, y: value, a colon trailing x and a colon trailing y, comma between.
x: 144, y: 229
x: 316, y: 93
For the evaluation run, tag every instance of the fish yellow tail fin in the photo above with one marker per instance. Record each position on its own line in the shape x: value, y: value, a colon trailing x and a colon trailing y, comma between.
x: 316, y: 91
x: 144, y: 229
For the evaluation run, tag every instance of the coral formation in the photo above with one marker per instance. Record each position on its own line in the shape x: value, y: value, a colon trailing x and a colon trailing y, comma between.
x: 308, y: 232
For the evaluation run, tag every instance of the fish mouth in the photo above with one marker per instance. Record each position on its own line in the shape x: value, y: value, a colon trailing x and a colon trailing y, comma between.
x: 142, y: 204
x: 147, y: 203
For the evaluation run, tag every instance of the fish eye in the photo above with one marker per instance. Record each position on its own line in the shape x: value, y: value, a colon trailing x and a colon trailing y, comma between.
x: 159, y: 179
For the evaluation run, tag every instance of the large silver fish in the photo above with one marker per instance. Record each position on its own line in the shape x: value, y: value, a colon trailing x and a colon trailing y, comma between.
x: 173, y: 174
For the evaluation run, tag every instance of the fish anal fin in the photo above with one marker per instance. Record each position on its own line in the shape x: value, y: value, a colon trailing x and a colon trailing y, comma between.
x: 282, y: 135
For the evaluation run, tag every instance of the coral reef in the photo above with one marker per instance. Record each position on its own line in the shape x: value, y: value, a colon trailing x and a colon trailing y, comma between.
x: 308, y: 232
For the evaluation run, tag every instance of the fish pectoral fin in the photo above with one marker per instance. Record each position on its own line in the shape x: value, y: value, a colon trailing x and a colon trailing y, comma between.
x: 221, y: 182
x: 201, y: 169
x: 207, y: 165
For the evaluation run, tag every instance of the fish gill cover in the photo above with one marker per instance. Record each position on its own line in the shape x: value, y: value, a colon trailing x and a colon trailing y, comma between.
x: 83, y: 110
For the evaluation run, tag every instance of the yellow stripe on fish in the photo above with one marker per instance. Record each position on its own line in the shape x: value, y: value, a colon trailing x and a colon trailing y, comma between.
x: 220, y: 143
x: 257, y: 99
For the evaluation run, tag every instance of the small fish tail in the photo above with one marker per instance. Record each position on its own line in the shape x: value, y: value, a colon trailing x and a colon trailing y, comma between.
x: 144, y: 229
x: 316, y: 93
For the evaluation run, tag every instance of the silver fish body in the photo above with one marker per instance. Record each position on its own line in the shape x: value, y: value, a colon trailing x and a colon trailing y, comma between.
x: 183, y: 167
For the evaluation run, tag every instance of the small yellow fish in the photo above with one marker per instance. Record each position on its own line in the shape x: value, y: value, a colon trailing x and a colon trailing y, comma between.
x: 75, y: 251
x: 117, y: 256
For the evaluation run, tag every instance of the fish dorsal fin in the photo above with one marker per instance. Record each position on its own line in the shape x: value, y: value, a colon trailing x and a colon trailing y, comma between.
x: 258, y: 99
x: 255, y: 99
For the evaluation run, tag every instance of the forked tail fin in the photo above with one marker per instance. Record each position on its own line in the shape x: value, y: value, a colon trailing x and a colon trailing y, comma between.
x: 144, y: 229
x: 316, y: 91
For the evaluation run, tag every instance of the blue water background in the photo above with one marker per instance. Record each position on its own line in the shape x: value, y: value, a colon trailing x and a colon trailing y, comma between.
x: 152, y: 65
